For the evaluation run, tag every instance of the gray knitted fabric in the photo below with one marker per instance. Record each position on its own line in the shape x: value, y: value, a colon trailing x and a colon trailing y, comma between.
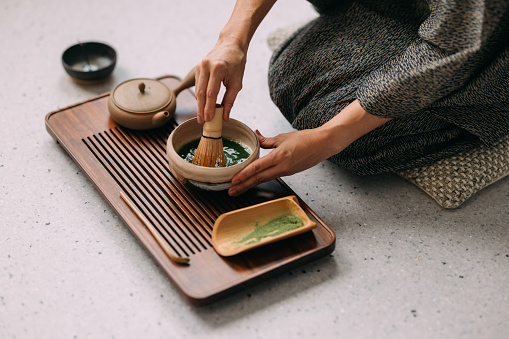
x: 454, y: 179
x: 439, y: 68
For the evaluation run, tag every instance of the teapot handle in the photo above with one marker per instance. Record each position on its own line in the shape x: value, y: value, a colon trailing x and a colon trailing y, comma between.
x: 187, y: 82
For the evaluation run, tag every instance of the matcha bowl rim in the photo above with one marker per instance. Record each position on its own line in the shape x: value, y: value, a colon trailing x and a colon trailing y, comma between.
x: 209, y: 178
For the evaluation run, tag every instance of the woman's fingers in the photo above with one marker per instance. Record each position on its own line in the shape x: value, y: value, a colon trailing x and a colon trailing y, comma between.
x: 268, y: 175
x: 223, y: 65
x: 208, y: 84
x: 292, y: 152
x: 252, y: 169
x: 266, y: 142
x: 202, y: 79
x: 260, y: 170
x: 213, y: 87
x: 228, y: 99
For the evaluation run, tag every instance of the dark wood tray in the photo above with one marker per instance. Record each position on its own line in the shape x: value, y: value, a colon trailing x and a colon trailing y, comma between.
x: 117, y: 159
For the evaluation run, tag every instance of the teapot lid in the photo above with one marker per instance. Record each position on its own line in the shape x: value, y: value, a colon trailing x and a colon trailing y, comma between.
x: 141, y: 95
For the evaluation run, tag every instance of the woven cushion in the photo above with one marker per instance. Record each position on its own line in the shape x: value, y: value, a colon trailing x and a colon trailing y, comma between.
x: 454, y: 180
x: 450, y: 181
x: 277, y: 37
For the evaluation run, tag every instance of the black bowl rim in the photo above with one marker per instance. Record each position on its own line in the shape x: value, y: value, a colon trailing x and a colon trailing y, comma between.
x: 69, y: 68
x: 113, y: 59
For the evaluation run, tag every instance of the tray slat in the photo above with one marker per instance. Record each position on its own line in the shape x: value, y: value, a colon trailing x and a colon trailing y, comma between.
x: 117, y: 159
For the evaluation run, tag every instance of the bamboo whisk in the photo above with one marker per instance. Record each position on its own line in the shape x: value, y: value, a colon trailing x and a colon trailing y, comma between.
x: 210, y: 151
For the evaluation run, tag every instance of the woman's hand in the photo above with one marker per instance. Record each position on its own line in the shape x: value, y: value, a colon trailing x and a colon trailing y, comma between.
x: 297, y: 151
x: 292, y: 152
x: 224, y: 64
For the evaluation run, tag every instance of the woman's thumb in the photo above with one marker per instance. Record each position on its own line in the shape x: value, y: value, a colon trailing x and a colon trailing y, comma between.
x: 265, y: 142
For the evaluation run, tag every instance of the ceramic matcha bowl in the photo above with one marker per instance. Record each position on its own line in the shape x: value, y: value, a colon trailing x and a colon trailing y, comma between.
x: 209, y: 178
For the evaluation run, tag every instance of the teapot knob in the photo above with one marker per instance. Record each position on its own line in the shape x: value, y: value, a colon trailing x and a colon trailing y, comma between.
x: 141, y: 87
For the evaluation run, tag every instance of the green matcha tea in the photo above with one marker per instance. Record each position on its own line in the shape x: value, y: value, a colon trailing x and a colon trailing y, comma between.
x: 273, y: 227
x: 234, y: 153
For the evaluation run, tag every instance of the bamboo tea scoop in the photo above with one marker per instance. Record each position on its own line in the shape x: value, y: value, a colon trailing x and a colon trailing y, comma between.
x: 246, y: 228
x: 155, y: 234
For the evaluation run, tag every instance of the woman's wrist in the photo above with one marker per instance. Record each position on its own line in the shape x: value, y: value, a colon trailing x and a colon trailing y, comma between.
x: 332, y: 139
x: 232, y: 38
x: 347, y: 126
x: 245, y: 19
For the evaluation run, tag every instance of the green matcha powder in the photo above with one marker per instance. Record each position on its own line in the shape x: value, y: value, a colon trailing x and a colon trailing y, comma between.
x: 273, y: 227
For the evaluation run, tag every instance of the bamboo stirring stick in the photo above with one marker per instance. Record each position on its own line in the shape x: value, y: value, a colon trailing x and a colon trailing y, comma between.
x: 155, y: 234
x: 210, y: 151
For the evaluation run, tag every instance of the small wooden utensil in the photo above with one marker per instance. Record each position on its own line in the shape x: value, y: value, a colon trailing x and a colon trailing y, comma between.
x: 210, y: 151
x: 231, y: 228
x: 155, y: 234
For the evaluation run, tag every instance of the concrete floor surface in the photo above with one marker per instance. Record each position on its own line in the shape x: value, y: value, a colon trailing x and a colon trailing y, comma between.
x: 403, y: 267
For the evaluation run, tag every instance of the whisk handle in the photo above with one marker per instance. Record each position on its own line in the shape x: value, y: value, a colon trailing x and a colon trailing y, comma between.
x: 213, y: 128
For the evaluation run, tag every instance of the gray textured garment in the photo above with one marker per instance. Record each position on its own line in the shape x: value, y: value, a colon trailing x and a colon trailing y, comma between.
x: 439, y: 68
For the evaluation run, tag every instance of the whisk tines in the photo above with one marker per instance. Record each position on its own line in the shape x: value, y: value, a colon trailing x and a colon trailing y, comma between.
x: 210, y: 151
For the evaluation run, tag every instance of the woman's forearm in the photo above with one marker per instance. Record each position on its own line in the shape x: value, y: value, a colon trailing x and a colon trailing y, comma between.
x: 245, y: 19
x: 346, y: 127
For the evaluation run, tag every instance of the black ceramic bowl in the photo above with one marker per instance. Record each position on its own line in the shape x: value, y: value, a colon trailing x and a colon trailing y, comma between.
x: 89, y: 61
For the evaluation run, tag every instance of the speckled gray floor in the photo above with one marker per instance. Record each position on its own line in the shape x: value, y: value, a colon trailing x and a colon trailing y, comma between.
x: 403, y: 267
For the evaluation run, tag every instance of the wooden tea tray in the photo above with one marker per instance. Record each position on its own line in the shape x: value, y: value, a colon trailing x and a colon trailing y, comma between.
x: 117, y: 159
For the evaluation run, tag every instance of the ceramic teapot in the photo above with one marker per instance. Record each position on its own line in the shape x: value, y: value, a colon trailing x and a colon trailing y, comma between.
x: 144, y: 103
